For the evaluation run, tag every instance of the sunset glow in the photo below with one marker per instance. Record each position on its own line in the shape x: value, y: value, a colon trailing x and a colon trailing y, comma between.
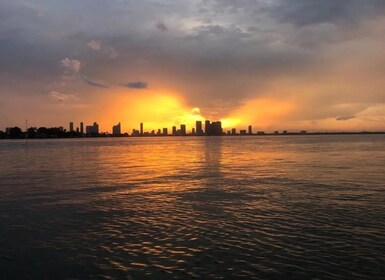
x: 269, y: 64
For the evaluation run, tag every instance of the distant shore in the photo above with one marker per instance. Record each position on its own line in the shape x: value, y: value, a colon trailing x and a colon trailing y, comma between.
x: 261, y: 134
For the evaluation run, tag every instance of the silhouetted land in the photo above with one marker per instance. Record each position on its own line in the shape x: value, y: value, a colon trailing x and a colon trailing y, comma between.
x: 59, y: 132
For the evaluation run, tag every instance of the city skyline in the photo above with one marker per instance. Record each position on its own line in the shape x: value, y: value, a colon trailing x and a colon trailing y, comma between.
x: 207, y: 128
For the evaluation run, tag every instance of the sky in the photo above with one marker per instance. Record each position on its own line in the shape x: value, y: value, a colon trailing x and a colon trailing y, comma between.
x: 275, y: 64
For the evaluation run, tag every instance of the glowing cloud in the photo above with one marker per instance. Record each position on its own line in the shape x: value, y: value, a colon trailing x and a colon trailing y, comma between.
x: 72, y: 64
x: 95, y: 45
x: 61, y: 96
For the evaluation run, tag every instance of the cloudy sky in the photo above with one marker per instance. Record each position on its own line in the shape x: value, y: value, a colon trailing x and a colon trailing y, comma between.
x: 275, y: 64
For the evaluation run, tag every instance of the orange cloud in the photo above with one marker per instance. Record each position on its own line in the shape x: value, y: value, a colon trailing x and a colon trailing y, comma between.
x: 261, y: 113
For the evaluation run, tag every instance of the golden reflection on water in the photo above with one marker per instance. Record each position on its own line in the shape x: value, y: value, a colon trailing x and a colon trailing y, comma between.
x: 191, y: 206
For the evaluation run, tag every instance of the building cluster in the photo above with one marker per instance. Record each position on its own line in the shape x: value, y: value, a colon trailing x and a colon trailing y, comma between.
x: 209, y: 129
x: 206, y: 128
x: 93, y: 130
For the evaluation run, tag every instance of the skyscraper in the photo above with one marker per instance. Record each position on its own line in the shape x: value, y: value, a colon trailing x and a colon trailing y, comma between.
x: 214, y: 128
x: 174, y: 130
x: 198, y: 128
x: 207, y: 127
x: 165, y: 131
x: 183, y: 129
x: 141, y: 129
x: 92, y: 129
x: 71, y: 126
x: 116, y: 130
x: 250, y: 130
x: 81, y: 128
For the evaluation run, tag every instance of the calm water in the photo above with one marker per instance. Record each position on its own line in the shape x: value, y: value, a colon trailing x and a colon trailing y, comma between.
x: 308, y: 207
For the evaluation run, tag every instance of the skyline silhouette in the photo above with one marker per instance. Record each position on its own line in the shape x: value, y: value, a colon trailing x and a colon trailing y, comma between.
x: 206, y: 128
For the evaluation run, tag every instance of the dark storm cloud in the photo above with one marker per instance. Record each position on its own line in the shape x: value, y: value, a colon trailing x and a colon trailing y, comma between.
x: 345, y: 118
x: 161, y: 26
x: 137, y: 85
x: 94, y: 83
x: 306, y: 12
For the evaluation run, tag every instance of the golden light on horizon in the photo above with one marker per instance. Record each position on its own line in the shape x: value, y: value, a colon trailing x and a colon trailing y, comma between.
x: 159, y: 109
x: 228, y: 123
x: 259, y: 112
x: 156, y: 109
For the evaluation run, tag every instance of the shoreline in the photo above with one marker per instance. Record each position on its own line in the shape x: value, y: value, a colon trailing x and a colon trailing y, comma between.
x: 191, y: 135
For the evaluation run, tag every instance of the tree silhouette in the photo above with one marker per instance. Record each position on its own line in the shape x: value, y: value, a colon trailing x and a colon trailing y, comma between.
x: 31, y: 132
x: 15, y: 132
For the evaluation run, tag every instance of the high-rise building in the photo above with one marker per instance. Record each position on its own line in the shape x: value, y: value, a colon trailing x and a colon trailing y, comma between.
x: 141, y: 128
x: 214, y: 128
x: 92, y: 129
x: 250, y: 130
x: 135, y: 132
x: 198, y: 128
x: 174, y: 130
x: 183, y: 129
x: 233, y: 131
x: 116, y: 129
x: 207, y: 127
x: 81, y: 128
x: 165, y: 131
x: 71, y: 126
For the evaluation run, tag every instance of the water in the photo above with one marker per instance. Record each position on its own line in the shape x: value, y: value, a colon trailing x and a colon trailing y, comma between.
x: 296, y: 207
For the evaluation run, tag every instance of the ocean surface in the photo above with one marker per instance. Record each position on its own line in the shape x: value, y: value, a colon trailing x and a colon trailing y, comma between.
x: 284, y: 207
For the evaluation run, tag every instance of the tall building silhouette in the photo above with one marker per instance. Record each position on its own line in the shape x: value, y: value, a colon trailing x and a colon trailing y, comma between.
x: 213, y: 129
x: 207, y: 127
x: 198, y: 128
x: 141, y: 129
x: 116, y: 129
x: 250, y: 130
x: 174, y: 130
x: 92, y: 129
x: 183, y: 129
x: 165, y: 131
x: 71, y: 127
x: 135, y: 132
x: 216, y: 128
x: 81, y: 128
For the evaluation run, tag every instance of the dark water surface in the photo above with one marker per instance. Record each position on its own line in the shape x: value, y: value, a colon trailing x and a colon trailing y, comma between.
x: 296, y: 207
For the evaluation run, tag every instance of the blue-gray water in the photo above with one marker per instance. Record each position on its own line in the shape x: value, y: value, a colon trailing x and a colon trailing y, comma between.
x: 306, y: 207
